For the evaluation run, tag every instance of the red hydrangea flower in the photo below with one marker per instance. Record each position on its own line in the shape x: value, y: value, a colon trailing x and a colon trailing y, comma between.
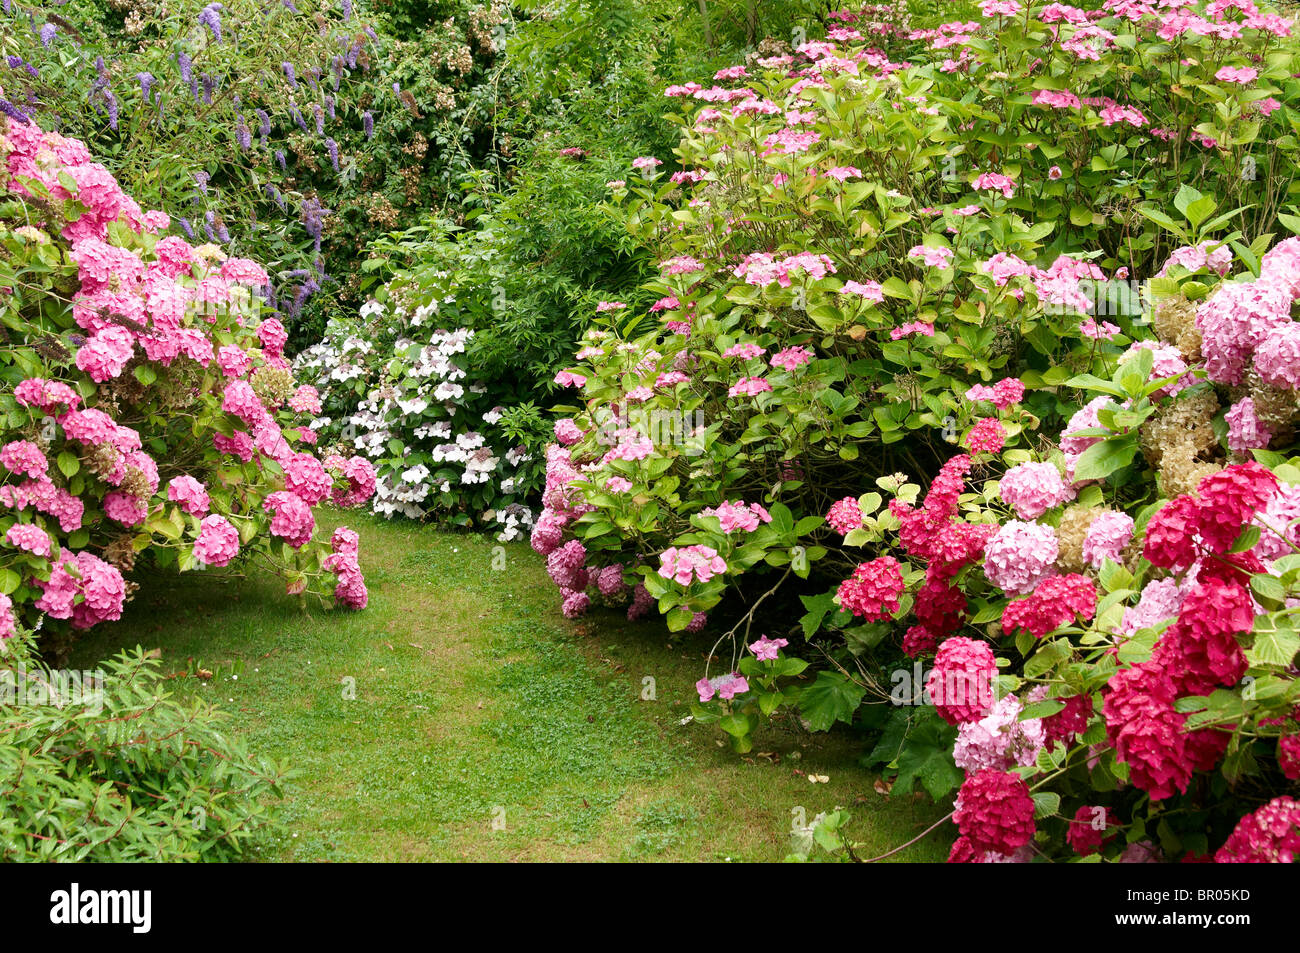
x: 1200, y: 651
x: 994, y: 812
x: 940, y: 607
x: 1270, y: 835
x: 918, y: 640
x: 1145, y: 731
x: 1070, y: 721
x: 1229, y: 501
x: 1171, y: 534
x: 873, y: 590
x: 1054, y: 603
x: 1088, y: 831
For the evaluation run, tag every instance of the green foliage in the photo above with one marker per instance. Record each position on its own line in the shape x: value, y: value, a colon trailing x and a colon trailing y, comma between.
x: 109, y: 767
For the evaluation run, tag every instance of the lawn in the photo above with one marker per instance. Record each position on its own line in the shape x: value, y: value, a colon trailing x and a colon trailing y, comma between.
x: 461, y: 717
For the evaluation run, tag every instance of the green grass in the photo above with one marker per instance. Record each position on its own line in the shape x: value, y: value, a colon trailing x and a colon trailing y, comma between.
x: 485, y: 726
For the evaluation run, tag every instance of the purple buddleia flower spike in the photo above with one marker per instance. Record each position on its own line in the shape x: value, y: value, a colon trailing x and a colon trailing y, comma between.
x: 183, y: 61
x: 211, y: 18
x: 13, y: 112
x: 263, y: 123
x: 289, y: 75
x: 320, y: 118
x: 289, y: 4
x: 48, y: 32
x: 347, y: 10
x: 111, y: 101
x: 146, y: 81
x: 279, y: 157
x: 329, y: 107
x: 333, y: 148
x: 209, y: 87
x: 368, y: 124
x: 201, y: 180
x: 243, y: 136
x: 187, y: 228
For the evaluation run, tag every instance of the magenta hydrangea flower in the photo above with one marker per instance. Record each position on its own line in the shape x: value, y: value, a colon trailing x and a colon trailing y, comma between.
x: 844, y: 516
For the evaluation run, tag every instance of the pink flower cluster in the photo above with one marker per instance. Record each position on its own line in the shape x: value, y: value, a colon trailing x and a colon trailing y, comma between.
x: 738, y: 515
x: 687, y: 564
x: 873, y: 590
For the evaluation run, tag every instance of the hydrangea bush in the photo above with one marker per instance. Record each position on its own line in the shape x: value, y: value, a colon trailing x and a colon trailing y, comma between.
x: 1113, y: 657
x: 149, y: 410
x: 865, y: 259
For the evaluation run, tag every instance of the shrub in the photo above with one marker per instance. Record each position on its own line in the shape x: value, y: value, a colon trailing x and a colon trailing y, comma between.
x: 394, y: 388
x: 147, y: 403
x: 863, y: 257
x: 290, y: 132
x: 105, y: 766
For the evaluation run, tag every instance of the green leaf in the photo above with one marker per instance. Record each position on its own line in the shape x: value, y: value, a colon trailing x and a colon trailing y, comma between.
x: 926, y: 755
x: 830, y: 698
x: 1276, y: 641
x: 1102, y: 459
x: 68, y: 463
x: 1046, y: 803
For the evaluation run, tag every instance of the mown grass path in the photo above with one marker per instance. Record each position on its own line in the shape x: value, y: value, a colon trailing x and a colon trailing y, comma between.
x: 485, y: 726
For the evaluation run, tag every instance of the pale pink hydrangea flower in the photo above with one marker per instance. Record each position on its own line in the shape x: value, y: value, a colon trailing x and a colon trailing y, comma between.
x: 1106, y: 538
x: 999, y: 740
x: 1019, y: 556
x: 1246, y: 431
x: 1031, y: 489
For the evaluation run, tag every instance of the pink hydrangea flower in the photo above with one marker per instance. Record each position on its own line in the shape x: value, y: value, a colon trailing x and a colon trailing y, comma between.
x: 765, y: 649
x: 749, y: 387
x: 1107, y: 536
x: 1019, y: 555
x: 217, y: 543
x: 738, y: 515
x: 1031, y: 489
x: 1246, y: 431
x: 690, y: 563
x: 30, y: 538
x: 869, y: 291
x: 190, y: 494
x: 934, y: 257
x: 22, y: 457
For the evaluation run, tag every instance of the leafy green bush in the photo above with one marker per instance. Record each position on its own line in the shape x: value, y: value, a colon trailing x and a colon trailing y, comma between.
x: 106, y: 766
x: 291, y: 131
